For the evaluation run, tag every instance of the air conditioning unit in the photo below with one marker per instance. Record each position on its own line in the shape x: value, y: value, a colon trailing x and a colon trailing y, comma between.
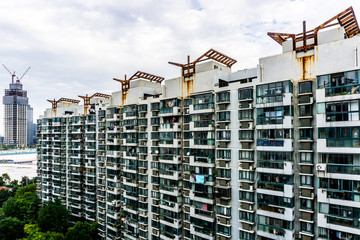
x: 250, y: 105
x: 321, y: 167
x: 240, y: 165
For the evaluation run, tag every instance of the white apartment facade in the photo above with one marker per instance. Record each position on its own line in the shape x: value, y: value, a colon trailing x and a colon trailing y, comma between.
x: 263, y: 153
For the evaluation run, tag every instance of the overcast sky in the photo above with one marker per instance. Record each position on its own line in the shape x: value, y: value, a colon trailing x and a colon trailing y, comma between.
x: 77, y: 47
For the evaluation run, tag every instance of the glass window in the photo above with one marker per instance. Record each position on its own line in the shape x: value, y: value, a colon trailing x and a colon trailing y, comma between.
x: 323, y: 81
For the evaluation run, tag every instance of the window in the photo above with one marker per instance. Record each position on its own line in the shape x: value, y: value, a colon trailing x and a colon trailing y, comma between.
x: 342, y: 111
x: 245, y: 94
x: 272, y: 92
x: 339, y: 83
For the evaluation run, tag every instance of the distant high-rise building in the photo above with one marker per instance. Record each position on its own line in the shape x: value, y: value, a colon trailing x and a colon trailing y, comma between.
x: 18, y: 116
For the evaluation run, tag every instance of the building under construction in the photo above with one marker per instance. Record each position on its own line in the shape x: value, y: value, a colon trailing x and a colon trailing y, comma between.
x: 271, y: 152
x: 18, y: 118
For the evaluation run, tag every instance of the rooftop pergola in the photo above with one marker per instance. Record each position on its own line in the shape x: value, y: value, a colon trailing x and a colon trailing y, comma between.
x: 55, y: 102
x: 87, y: 99
x: 309, y: 39
x: 188, y: 69
x: 125, y: 84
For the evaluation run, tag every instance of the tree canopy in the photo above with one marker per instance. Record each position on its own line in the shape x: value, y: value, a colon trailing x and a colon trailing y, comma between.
x: 53, y: 217
x: 82, y: 231
x: 24, y: 205
x: 11, y: 228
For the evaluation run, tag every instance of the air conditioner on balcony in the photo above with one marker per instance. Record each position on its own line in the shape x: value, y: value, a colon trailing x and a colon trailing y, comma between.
x: 321, y: 167
x: 250, y: 105
x: 240, y: 165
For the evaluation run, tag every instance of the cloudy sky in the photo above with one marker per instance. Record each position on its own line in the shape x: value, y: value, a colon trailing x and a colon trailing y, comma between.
x: 77, y: 47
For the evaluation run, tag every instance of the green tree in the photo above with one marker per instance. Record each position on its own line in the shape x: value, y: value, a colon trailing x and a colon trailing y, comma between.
x: 24, y: 205
x: 53, y: 217
x: 11, y: 228
x: 14, y: 185
x: 24, y: 181
x: 2, y: 182
x: 6, y: 178
x: 32, y: 232
x: 82, y: 231
x: 4, y: 196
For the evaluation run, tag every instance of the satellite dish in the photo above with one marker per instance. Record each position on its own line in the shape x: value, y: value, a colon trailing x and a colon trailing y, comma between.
x: 157, y: 151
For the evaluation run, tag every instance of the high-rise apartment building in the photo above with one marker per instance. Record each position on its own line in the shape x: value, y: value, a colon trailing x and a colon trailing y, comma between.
x: 18, y: 118
x: 270, y: 152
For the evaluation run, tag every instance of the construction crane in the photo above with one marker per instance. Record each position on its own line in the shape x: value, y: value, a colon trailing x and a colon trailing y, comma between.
x: 87, y: 100
x: 13, y: 75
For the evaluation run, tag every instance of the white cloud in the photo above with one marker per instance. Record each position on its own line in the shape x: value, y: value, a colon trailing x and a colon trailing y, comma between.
x: 77, y: 47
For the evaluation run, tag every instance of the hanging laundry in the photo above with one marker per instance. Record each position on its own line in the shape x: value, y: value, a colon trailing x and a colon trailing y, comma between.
x: 204, y: 207
x: 200, y: 179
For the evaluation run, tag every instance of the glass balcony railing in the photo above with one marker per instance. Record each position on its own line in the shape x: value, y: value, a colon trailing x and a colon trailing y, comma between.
x: 343, y: 143
x: 344, y: 195
x: 271, y: 186
x: 343, y: 168
x: 166, y: 110
x: 270, y: 164
x: 204, y: 123
x: 271, y: 229
x: 270, y: 143
x: 205, y: 141
x: 203, y: 106
x: 342, y: 90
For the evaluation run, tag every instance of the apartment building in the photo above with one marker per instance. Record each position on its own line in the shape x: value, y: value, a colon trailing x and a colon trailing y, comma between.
x: 262, y: 153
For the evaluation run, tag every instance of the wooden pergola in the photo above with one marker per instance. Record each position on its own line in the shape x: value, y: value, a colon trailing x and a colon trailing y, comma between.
x: 309, y: 39
x: 87, y: 100
x: 188, y: 69
x: 54, y: 103
x: 125, y: 83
